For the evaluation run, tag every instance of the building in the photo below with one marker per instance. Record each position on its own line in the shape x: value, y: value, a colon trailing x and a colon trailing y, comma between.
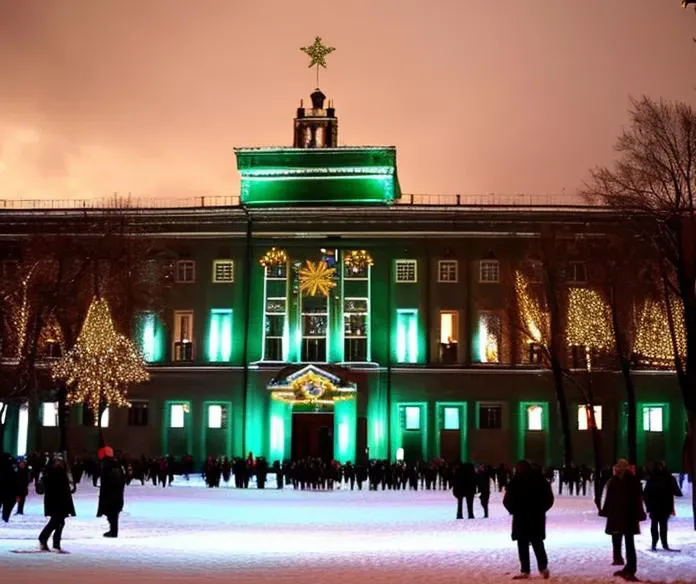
x: 326, y: 314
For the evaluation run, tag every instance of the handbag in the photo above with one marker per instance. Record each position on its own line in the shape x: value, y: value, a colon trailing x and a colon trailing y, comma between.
x: 40, y: 486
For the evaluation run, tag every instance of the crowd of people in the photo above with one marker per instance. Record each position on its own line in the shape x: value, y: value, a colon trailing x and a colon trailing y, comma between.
x: 527, y: 488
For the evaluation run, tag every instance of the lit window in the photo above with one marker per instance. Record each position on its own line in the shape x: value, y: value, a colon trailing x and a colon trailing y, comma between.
x: 105, y: 418
x: 451, y: 418
x: 407, y: 336
x: 185, y: 272
x: 577, y: 272
x: 489, y: 335
x: 489, y: 271
x: 215, y: 416
x: 223, y: 271
x: 220, y: 335
x: 49, y: 414
x: 584, y: 417
x: 412, y: 417
x: 406, y: 271
x: 652, y: 419
x: 535, y: 418
x: 3, y: 409
x: 183, y: 335
x: 447, y: 271
x: 449, y: 336
x: 177, y: 416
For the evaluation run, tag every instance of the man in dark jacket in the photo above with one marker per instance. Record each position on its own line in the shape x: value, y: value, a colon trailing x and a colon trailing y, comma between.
x: 8, y: 485
x: 660, y: 490
x: 527, y: 498
x: 464, y: 487
x: 111, y: 490
x: 58, y: 502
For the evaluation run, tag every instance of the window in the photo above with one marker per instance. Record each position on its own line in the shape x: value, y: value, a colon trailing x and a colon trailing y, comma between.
x: 584, y: 417
x: 49, y: 414
x: 355, y: 330
x: 535, y: 418
x: 489, y: 271
x: 412, y: 418
x: 315, y: 320
x: 150, y: 337
x: 407, y: 336
x: 489, y: 337
x: 449, y: 336
x: 277, y: 271
x: 183, y: 335
x: 447, y: 271
x: 406, y: 271
x: 490, y: 417
x: 223, y: 271
x: 450, y: 417
x: 276, y: 317
x: 3, y: 409
x: 217, y: 416
x: 577, y: 272
x: 579, y: 355
x: 185, y: 272
x: 89, y: 419
x: 220, y: 335
x: 652, y: 419
x: 535, y: 271
x: 138, y: 413
x: 177, y: 414
x: 536, y: 354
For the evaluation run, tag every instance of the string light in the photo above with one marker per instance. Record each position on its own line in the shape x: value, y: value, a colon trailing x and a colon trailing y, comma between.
x: 98, y: 369
x: 589, y: 322
x: 274, y: 257
x: 534, y: 320
x: 316, y: 278
x: 653, y: 337
x: 51, y: 336
x: 358, y: 260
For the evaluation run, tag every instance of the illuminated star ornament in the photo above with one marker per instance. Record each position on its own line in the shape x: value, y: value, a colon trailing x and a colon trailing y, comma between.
x: 317, y: 278
x: 317, y: 52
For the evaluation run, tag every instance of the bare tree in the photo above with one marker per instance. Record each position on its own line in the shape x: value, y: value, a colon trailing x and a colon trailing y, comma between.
x: 654, y: 182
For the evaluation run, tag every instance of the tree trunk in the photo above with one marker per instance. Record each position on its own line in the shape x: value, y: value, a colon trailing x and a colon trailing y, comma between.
x: 631, y: 419
x: 690, y: 460
x: 557, y: 371
x: 63, y: 417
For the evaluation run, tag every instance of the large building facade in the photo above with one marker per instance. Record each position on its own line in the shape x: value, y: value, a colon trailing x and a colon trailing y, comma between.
x: 326, y: 314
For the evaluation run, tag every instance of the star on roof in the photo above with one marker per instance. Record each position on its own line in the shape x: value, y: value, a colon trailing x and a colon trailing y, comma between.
x: 317, y: 53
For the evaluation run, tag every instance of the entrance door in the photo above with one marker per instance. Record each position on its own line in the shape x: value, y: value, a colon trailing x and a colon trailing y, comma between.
x: 451, y: 445
x: 312, y: 436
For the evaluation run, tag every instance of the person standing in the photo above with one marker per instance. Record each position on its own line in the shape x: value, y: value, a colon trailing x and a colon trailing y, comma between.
x: 23, y: 480
x: 111, y: 490
x: 528, y: 497
x: 660, y: 490
x: 58, y: 501
x: 623, y: 509
x: 8, y: 486
x: 464, y: 487
x: 483, y: 485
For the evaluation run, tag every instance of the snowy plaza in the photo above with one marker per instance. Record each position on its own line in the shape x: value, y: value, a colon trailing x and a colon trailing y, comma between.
x: 189, y: 534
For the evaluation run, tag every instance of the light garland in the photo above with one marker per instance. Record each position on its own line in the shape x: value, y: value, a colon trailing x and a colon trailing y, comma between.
x: 358, y: 260
x: 98, y: 369
x: 534, y: 320
x: 274, y: 257
x: 589, y: 320
x: 653, y: 337
x: 311, y: 388
x: 316, y: 278
x: 51, y: 335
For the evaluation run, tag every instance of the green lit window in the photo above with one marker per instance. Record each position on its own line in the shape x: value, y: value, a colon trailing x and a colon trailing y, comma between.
x: 450, y: 418
x: 177, y: 415
x: 407, y: 335
x: 217, y: 416
x: 535, y: 418
x: 355, y: 330
x: 220, y: 335
x: 653, y: 419
x: 315, y: 320
x: 150, y: 337
x: 412, y: 418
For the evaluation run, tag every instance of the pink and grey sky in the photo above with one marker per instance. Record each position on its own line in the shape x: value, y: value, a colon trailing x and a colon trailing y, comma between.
x: 478, y: 96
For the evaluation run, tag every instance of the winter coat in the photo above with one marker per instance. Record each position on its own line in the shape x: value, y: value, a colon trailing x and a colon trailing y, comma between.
x: 464, y: 481
x: 8, y: 479
x: 660, y: 490
x: 111, y: 490
x: 527, y: 498
x: 58, y: 501
x: 623, y: 505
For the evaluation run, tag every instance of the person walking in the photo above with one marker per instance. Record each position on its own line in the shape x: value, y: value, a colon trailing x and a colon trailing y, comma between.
x: 58, y: 501
x: 528, y: 497
x: 623, y: 509
x: 111, y: 490
x: 660, y: 490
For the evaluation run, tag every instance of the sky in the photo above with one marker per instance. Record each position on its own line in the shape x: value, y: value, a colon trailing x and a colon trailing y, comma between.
x: 150, y: 97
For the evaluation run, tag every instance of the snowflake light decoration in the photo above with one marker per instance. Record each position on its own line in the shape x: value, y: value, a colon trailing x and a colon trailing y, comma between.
x: 317, y: 278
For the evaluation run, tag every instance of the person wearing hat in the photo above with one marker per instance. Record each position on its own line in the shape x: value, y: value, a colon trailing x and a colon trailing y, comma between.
x: 111, y: 489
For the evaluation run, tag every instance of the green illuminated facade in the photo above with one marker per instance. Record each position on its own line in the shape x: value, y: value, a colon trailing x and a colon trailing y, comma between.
x: 420, y: 334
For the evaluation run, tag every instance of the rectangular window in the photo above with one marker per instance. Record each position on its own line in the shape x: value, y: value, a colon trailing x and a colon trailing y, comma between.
x: 223, y: 271
x: 578, y: 356
x: 3, y: 409
x: 355, y: 330
x: 183, y: 335
x: 277, y: 271
x: 217, y: 416
x: 89, y: 418
x: 276, y: 318
x: 359, y: 272
x: 535, y: 271
x: 150, y: 335
x: 406, y: 271
x: 49, y: 414
x: 315, y: 320
x: 412, y: 418
x: 138, y: 413
x: 447, y: 271
x: 584, y: 417
x: 535, y: 418
x: 177, y: 413
x: 220, y: 335
x: 450, y: 418
x: 489, y: 271
x: 577, y: 272
x: 185, y: 272
x: 407, y: 336
x: 449, y: 336
x: 652, y: 419
x: 536, y: 354
x: 489, y: 338
x: 490, y: 417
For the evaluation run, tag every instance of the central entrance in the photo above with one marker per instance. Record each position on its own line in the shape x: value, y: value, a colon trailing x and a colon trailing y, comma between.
x: 313, y: 435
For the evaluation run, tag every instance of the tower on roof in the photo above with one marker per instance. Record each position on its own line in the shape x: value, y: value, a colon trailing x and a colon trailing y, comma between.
x: 316, y: 127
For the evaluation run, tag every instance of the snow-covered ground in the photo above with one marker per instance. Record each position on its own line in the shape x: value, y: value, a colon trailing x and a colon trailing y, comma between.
x: 194, y: 534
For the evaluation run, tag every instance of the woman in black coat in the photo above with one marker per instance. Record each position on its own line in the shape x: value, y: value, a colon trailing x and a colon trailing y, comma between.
x: 528, y: 497
x: 111, y: 492
x: 58, y: 502
x: 660, y: 490
x: 623, y: 508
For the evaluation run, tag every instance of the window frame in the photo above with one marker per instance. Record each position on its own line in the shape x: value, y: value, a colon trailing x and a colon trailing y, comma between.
x: 223, y: 262
x: 482, y: 270
x: 458, y: 411
x: 646, y: 411
x: 171, y: 416
x: 583, y: 420
x: 180, y: 265
x: 407, y: 426
x: 573, y: 272
x: 406, y: 262
x: 139, y: 405
x: 489, y: 406
x: 444, y: 264
x: 528, y: 420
